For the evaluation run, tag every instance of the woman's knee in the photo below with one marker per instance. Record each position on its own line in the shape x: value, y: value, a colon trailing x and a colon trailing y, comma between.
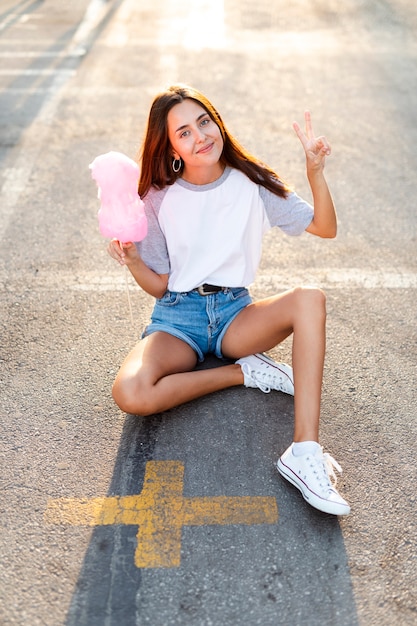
x: 131, y: 397
x: 310, y: 301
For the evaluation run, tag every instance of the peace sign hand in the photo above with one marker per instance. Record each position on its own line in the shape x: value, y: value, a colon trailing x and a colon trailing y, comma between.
x: 315, y: 148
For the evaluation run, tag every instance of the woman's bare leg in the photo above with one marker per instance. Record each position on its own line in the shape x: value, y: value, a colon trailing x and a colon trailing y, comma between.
x: 156, y: 376
x: 262, y: 325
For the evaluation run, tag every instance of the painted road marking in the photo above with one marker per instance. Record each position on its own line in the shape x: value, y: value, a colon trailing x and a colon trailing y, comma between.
x: 30, y: 54
x: 42, y: 72
x: 161, y: 511
x: 114, y: 280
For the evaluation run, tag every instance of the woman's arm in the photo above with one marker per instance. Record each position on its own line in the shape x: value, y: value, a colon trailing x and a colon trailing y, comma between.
x: 324, y: 223
x: 127, y: 254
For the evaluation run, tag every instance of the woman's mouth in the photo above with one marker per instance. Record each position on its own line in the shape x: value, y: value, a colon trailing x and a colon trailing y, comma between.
x: 205, y: 149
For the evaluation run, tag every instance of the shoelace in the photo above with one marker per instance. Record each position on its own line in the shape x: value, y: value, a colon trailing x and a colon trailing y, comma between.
x: 331, y: 463
x: 267, y: 378
x: 324, y: 469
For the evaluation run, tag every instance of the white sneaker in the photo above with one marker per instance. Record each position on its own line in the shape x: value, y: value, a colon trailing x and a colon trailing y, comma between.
x: 314, y: 476
x: 262, y: 372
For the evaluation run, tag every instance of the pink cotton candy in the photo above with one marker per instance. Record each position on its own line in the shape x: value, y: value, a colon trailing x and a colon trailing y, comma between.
x: 121, y: 215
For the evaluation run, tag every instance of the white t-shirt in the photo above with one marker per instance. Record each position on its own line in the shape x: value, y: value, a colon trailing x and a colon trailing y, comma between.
x: 213, y: 233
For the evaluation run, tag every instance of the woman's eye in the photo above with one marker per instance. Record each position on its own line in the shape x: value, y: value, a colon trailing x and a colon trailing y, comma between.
x: 205, y: 122
x: 185, y: 133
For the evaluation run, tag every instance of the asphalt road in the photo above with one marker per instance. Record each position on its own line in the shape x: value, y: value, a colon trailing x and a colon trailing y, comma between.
x: 181, y: 519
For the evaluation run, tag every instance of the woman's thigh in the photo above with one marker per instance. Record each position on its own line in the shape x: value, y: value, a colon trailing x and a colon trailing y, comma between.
x: 264, y: 324
x: 154, y: 357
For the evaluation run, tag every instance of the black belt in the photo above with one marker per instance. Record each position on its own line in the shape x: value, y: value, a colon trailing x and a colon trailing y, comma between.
x: 206, y: 289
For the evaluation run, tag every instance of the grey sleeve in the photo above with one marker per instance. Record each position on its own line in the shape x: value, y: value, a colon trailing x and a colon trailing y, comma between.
x: 292, y: 214
x: 153, y: 249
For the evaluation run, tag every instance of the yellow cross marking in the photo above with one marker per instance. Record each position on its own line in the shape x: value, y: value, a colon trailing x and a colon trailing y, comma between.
x: 161, y: 511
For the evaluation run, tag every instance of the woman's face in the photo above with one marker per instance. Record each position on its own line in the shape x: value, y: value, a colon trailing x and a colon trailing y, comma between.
x: 197, y: 140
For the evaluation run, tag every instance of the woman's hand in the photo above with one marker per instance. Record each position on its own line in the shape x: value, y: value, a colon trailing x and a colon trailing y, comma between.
x: 315, y: 148
x: 324, y: 223
x: 127, y: 254
x: 123, y: 253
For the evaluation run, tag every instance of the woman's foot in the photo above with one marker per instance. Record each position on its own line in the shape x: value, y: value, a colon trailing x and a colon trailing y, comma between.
x: 314, y: 476
x: 262, y: 372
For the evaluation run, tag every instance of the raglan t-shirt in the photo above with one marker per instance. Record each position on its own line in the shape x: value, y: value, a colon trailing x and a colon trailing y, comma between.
x: 213, y: 233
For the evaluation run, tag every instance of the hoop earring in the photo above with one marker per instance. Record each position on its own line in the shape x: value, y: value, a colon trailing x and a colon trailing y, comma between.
x: 176, y: 165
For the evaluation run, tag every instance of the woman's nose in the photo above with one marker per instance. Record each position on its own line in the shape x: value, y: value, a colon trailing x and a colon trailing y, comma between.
x: 199, y: 135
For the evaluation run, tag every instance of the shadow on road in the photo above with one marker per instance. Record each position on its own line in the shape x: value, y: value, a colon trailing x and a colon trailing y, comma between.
x: 291, y: 572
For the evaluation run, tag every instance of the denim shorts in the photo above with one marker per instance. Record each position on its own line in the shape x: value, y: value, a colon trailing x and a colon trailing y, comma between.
x: 200, y: 321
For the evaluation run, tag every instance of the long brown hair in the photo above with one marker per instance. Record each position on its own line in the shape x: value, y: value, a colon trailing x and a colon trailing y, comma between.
x: 156, y: 154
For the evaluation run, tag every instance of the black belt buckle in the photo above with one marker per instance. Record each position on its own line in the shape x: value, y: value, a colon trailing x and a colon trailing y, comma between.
x: 207, y: 290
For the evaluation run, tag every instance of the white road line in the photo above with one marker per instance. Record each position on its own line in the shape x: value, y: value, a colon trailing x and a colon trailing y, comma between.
x: 115, y: 281
x: 342, y: 278
x: 35, y: 54
x: 5, y: 23
x: 96, y: 11
x: 292, y: 43
x: 76, y: 91
x: 19, y: 18
x: 23, y: 43
x: 43, y: 72
x: 64, y: 281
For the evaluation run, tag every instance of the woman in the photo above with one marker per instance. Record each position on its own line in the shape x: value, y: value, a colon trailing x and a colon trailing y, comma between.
x: 208, y: 204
